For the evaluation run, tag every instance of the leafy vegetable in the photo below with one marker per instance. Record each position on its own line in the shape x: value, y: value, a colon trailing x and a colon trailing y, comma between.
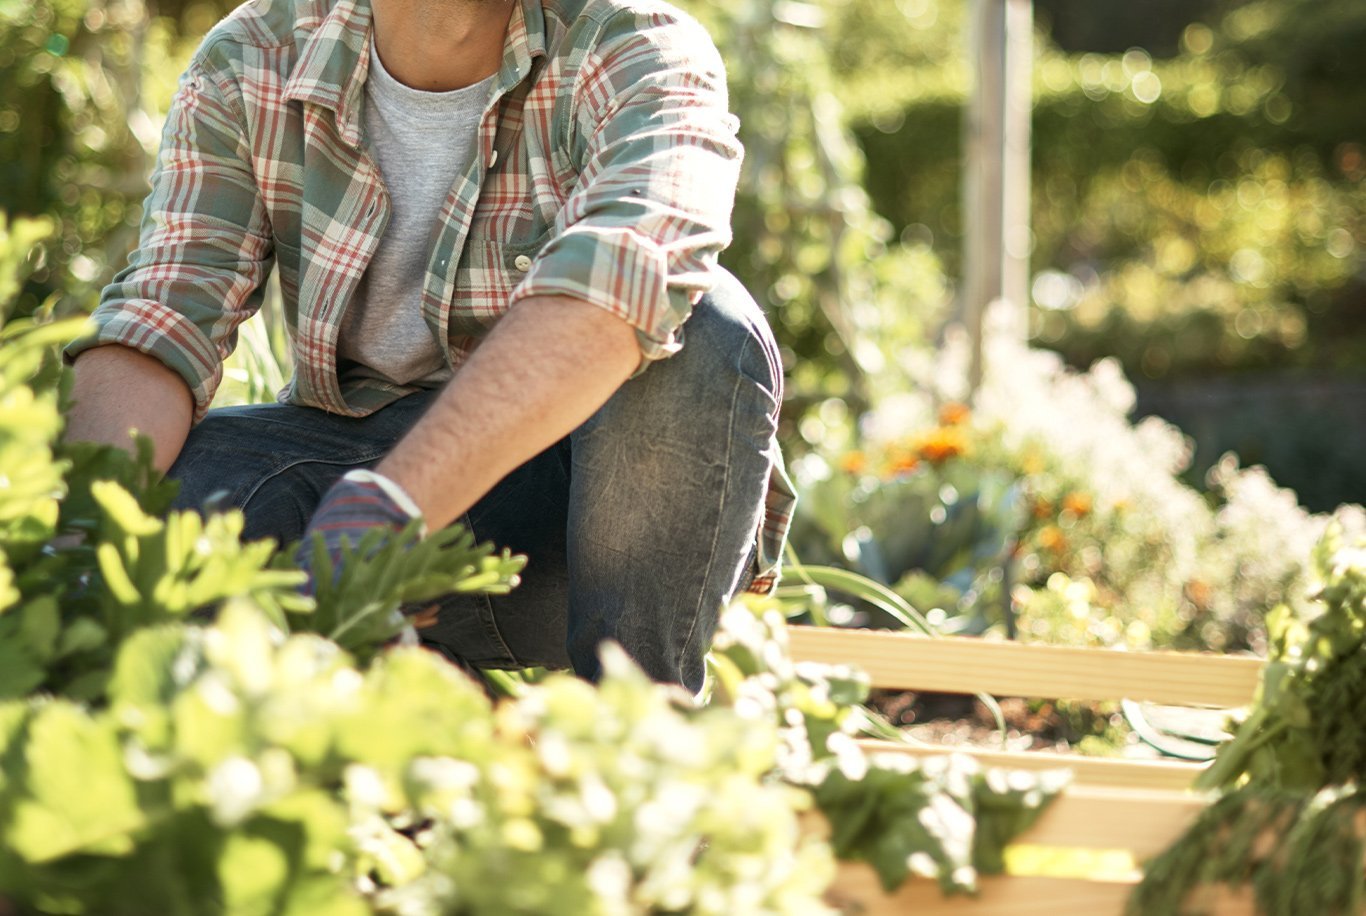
x: 1306, y: 728
x: 1293, y: 820
x: 385, y: 572
x: 943, y: 818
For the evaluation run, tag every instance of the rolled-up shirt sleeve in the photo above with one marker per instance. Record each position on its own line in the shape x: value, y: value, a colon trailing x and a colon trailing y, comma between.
x: 658, y: 160
x: 204, y: 249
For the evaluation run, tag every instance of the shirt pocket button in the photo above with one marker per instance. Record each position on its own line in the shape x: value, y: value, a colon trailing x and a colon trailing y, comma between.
x: 522, y: 263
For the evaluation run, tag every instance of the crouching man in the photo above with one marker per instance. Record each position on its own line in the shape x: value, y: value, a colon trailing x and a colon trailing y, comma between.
x: 495, y: 225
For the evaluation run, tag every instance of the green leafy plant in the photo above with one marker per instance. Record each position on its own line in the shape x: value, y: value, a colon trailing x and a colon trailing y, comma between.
x: 1290, y: 821
x: 360, y: 609
x: 1300, y: 853
x: 1305, y: 729
x: 223, y: 773
x: 236, y: 769
x: 942, y: 818
x: 628, y: 799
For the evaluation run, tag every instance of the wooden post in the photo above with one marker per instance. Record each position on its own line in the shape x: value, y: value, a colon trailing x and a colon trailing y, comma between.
x: 996, y: 236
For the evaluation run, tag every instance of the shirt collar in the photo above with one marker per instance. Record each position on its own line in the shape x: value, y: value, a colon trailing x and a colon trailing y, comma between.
x: 335, y: 59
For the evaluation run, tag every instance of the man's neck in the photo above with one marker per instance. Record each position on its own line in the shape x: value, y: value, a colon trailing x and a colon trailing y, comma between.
x: 439, y: 45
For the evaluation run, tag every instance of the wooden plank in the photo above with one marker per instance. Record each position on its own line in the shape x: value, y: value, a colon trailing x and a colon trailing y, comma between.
x: 1141, y: 822
x: 856, y: 892
x: 959, y: 665
x: 1169, y: 775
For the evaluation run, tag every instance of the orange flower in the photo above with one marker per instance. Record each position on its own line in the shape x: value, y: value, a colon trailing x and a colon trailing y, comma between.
x: 1079, y: 504
x: 1051, y: 538
x: 901, y: 462
x: 853, y: 462
x: 954, y: 413
x: 1042, y: 508
x: 941, y: 443
x: 1200, y: 594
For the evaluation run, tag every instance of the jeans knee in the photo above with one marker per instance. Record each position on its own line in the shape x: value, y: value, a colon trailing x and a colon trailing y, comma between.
x: 726, y: 338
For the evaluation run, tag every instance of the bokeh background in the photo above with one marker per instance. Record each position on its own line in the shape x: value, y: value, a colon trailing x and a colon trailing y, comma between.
x: 1198, y: 287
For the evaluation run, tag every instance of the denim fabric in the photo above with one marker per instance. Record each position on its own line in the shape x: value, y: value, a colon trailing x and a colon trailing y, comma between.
x: 638, y: 526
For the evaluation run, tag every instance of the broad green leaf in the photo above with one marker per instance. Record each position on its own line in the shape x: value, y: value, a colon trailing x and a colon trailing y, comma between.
x: 1006, y: 804
x: 323, y: 895
x: 9, y: 595
x: 39, y: 625
x: 80, y: 635
x: 78, y: 797
x: 210, y: 721
x: 315, y: 684
x: 323, y: 820
x: 243, y: 644
x: 20, y: 672
x: 152, y: 666
x: 87, y: 687
x: 415, y: 704
x: 253, y: 872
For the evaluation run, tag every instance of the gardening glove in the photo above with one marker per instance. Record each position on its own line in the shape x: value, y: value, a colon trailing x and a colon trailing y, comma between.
x: 355, y: 505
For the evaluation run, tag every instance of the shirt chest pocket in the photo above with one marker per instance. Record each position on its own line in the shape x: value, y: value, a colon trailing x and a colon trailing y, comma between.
x: 490, y: 270
x: 523, y: 188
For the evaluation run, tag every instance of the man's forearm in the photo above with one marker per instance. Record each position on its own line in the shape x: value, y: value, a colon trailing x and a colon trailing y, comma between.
x: 547, y: 366
x: 119, y: 390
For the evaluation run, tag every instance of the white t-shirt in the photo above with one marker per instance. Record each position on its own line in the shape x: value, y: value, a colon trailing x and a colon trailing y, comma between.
x: 422, y: 142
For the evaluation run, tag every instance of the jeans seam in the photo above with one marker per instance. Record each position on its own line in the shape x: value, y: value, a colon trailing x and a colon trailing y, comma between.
x: 775, y: 365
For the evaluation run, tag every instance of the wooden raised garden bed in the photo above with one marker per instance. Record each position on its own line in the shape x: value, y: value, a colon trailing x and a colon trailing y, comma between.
x: 1114, y: 811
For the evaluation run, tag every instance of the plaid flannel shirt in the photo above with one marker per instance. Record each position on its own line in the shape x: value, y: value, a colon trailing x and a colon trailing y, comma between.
x: 606, y: 171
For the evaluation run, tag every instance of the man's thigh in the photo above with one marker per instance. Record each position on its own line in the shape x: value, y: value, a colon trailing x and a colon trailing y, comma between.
x: 641, y: 525
x: 668, y: 485
x: 275, y: 461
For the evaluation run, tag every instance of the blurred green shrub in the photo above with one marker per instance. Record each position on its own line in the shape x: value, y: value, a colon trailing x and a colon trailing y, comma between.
x: 84, y: 85
x: 1199, y: 213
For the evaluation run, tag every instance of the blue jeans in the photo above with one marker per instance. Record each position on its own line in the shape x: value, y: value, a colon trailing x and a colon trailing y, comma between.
x: 638, y: 526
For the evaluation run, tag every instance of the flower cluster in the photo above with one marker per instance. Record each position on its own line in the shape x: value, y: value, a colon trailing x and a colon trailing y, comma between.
x: 1109, y: 545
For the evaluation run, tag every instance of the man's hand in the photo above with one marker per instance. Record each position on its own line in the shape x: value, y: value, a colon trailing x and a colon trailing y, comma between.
x: 361, y: 502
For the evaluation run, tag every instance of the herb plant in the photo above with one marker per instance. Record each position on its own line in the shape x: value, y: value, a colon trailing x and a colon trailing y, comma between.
x: 1292, y: 822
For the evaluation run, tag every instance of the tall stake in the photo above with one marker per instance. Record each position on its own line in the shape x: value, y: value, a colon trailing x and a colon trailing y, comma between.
x: 996, y: 236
